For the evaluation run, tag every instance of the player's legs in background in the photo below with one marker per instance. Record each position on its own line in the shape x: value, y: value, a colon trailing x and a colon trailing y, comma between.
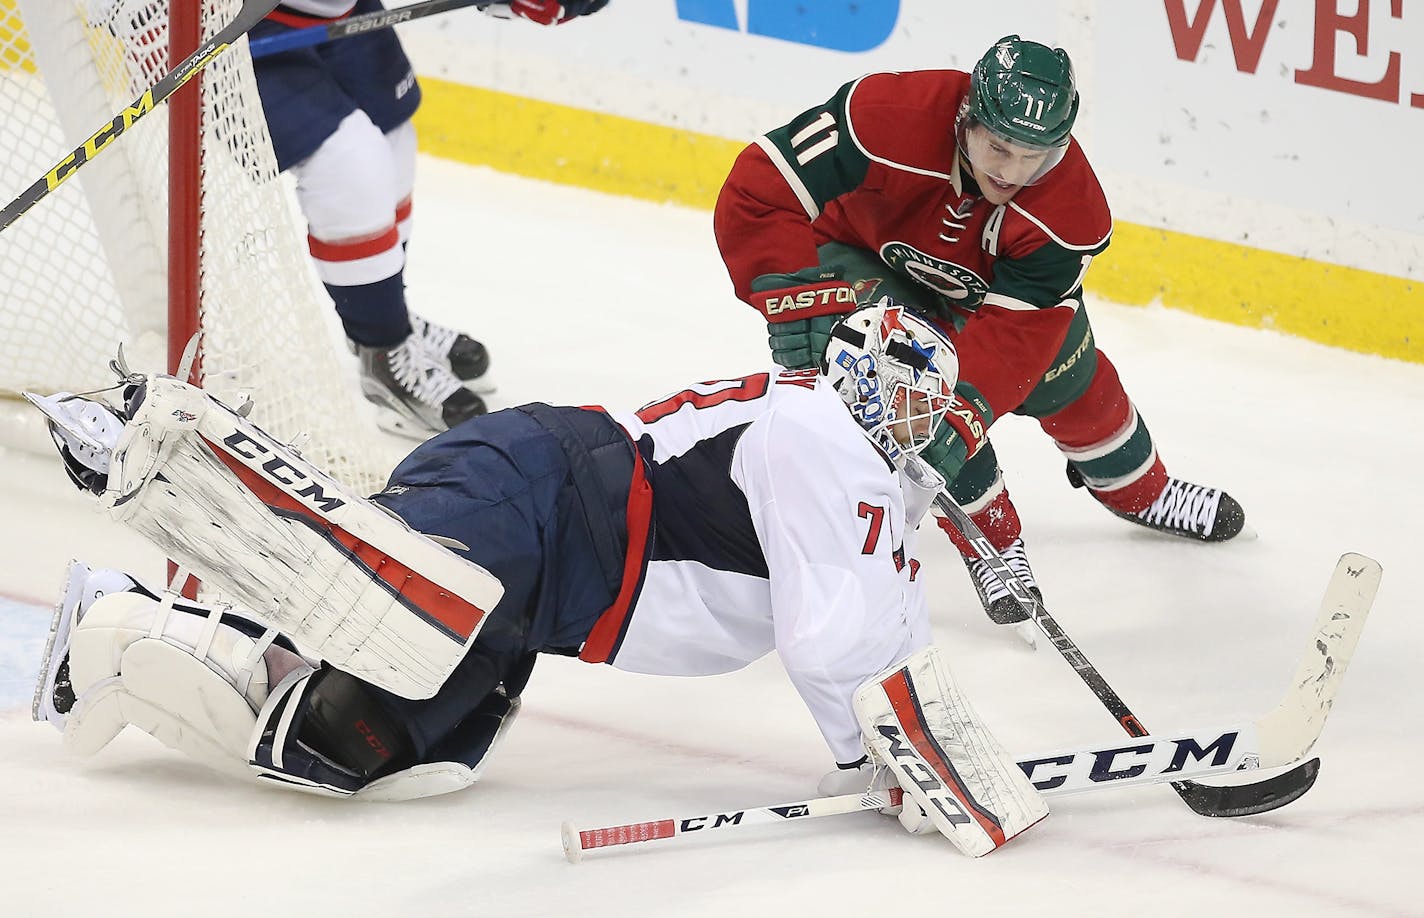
x: 354, y: 191
x: 374, y: 72
x: 1082, y: 405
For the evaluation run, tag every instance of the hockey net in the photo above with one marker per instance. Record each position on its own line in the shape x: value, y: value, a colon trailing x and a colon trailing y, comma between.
x: 88, y: 268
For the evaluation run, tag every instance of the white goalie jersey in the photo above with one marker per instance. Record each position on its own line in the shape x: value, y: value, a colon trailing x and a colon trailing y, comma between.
x: 778, y: 525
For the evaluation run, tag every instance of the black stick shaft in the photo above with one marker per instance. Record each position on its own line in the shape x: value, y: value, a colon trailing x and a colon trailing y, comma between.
x: 356, y: 25
x: 252, y: 12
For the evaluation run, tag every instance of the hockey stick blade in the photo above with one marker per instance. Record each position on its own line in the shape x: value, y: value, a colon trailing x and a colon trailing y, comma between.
x: 1252, y: 799
x: 1288, y: 732
x: 252, y: 12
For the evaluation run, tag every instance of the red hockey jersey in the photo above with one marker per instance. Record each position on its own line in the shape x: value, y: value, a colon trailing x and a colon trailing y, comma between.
x: 876, y: 168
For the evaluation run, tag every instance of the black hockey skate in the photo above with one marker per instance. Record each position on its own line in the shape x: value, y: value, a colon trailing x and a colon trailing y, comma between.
x: 1191, y: 511
x: 466, y: 357
x: 999, y: 604
x: 417, y: 394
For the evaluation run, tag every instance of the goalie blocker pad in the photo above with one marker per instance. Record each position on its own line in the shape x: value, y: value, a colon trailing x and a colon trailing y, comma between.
x: 918, y: 725
x: 338, y: 574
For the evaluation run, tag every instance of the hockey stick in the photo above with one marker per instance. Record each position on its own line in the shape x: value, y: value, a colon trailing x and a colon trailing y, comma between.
x: 577, y: 841
x: 357, y: 25
x: 1145, y: 760
x: 1282, y: 737
x: 252, y: 12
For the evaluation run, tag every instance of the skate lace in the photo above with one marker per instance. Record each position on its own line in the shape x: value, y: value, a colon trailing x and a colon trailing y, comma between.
x: 1185, y: 506
x: 1017, y: 560
x: 419, y: 373
x: 437, y: 339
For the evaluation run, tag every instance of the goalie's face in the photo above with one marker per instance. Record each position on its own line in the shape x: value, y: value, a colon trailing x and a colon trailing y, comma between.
x: 917, y: 416
x: 913, y: 418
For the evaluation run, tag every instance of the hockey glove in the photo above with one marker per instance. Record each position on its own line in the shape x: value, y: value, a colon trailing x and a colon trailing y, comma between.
x: 800, y: 310
x: 546, y: 12
x: 964, y: 431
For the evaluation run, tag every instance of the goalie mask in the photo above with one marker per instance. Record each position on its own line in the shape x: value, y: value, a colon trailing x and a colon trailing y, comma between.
x: 895, y: 371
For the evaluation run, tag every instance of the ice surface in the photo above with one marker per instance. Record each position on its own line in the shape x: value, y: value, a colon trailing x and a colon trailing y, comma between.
x: 587, y: 299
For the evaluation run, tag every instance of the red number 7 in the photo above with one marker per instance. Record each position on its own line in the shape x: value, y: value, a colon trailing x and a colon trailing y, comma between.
x: 876, y: 515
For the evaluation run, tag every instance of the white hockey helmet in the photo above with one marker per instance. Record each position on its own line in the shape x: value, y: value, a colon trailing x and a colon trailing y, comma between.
x: 895, y: 371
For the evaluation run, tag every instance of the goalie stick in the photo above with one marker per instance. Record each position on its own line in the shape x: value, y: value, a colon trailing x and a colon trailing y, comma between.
x: 1281, y: 737
x: 1285, y: 735
x: 252, y: 12
x: 357, y: 25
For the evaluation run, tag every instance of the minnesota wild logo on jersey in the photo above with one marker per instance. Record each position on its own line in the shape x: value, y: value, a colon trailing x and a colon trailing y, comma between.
x: 957, y: 284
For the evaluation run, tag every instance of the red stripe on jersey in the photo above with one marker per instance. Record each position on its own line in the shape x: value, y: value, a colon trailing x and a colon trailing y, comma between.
x: 457, y: 617
x: 907, y: 709
x: 403, y: 210
x: 355, y: 249
x: 609, y: 627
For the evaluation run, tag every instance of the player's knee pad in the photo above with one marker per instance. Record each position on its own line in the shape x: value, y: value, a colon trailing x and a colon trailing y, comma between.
x: 950, y: 766
x: 1107, y: 444
x: 349, y: 186
x: 189, y: 680
x: 350, y: 190
x: 402, y: 141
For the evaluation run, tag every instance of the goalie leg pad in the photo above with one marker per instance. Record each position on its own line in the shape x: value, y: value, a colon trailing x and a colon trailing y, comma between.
x: 918, y: 725
x: 333, y: 571
x: 190, y: 681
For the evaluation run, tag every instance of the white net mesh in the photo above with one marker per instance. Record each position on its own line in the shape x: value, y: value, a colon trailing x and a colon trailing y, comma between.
x: 85, y: 270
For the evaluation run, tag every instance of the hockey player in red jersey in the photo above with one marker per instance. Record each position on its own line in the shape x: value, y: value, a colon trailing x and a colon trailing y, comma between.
x: 964, y: 195
x: 339, y: 115
x: 681, y: 539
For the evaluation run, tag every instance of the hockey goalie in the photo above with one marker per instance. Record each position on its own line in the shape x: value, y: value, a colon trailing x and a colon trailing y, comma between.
x: 377, y: 648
